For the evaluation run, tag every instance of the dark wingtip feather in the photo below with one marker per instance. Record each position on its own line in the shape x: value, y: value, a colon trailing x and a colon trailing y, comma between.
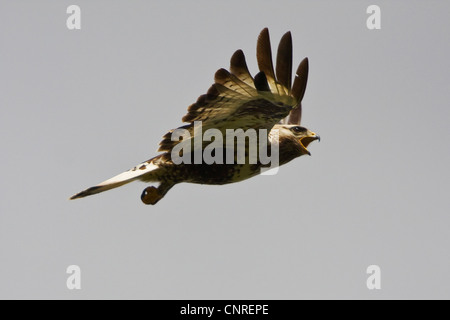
x: 237, y: 61
x: 264, y: 54
x: 212, y: 92
x: 284, y: 61
x: 261, y: 82
x: 238, y: 67
x: 221, y: 76
x: 301, y: 79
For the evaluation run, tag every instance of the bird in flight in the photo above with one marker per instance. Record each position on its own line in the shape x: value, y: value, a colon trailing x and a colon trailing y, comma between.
x: 236, y: 101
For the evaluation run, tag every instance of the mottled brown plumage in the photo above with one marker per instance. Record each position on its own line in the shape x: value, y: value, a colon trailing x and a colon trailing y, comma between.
x: 235, y: 101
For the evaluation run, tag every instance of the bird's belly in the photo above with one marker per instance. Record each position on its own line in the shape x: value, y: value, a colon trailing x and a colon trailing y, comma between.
x: 220, y: 173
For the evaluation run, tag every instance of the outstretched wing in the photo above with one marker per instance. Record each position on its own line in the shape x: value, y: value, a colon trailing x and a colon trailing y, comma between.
x: 236, y: 100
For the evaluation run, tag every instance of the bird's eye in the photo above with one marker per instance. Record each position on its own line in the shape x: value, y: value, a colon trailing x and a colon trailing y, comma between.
x: 298, y: 129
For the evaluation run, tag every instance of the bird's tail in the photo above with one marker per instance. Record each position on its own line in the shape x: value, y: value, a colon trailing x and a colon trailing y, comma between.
x: 136, y: 173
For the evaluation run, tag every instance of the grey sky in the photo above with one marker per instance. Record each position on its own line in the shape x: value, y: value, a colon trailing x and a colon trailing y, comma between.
x: 78, y: 107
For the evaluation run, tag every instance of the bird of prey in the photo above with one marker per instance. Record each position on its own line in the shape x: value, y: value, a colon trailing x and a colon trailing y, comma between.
x: 236, y: 100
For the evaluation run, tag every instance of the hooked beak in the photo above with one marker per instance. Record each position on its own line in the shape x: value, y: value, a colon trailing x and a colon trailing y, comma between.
x: 305, y: 141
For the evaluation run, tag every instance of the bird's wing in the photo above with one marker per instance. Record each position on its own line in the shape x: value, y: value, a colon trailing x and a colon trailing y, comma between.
x: 236, y: 100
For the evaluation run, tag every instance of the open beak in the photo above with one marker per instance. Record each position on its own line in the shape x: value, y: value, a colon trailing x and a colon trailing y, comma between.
x: 310, y: 137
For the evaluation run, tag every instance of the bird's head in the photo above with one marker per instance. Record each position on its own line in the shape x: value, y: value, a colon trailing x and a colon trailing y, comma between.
x: 295, y: 137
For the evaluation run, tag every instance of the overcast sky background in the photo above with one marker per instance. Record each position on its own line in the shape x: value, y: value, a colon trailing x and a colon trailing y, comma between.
x: 78, y: 107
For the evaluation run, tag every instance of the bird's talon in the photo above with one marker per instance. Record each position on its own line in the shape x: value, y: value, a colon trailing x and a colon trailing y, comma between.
x: 151, y: 195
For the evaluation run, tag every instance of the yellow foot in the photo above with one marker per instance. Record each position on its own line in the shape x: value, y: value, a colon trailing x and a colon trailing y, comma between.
x: 151, y: 195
